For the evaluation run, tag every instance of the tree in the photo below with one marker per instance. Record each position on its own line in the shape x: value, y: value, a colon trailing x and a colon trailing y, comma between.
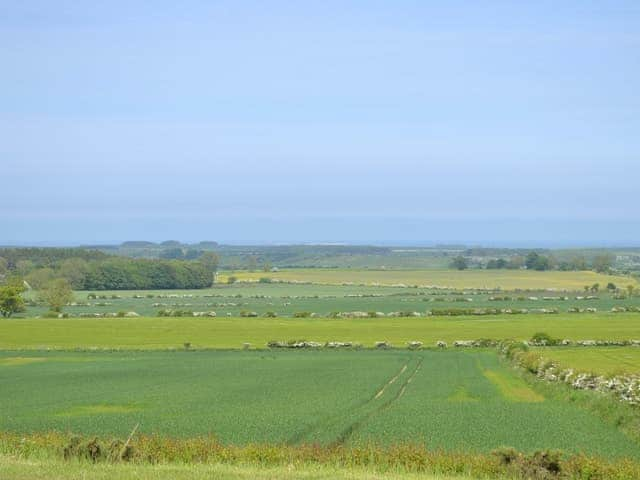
x: 595, y: 287
x: 535, y: 261
x: 57, y: 294
x: 516, y: 262
x: 39, y: 277
x: 630, y: 289
x: 603, y: 263
x: 578, y: 263
x: 253, y: 263
x: 499, y: 263
x: 192, y: 254
x: 172, y: 254
x: 459, y: 263
x: 210, y: 261
x: 75, y: 270
x: 11, y: 300
x: 4, y: 266
x: 611, y: 286
x: 24, y: 266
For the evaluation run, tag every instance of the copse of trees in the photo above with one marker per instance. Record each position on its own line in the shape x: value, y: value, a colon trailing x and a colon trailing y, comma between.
x: 45, y: 257
x: 459, y: 263
x: 97, y: 271
x: 127, y: 274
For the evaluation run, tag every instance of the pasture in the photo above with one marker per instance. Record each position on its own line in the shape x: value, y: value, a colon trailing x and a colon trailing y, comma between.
x: 600, y: 360
x: 287, y: 300
x: 232, y: 332
x: 455, y: 279
x: 450, y: 400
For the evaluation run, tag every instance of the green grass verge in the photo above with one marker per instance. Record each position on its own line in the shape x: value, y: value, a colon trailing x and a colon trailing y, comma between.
x: 15, y: 468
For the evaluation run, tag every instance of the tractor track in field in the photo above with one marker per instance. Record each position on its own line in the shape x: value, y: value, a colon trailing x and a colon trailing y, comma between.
x: 348, y: 432
x: 353, y: 410
x: 391, y: 382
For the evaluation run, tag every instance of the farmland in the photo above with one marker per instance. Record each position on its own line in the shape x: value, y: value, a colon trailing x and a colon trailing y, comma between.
x: 231, y: 332
x: 455, y: 400
x: 287, y: 300
x: 193, y: 366
x: 485, y: 279
x: 601, y: 360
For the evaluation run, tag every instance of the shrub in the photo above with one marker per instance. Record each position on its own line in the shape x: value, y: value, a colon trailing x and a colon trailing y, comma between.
x: 543, y: 338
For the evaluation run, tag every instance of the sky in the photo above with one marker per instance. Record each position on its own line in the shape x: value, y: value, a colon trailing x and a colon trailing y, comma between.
x: 408, y: 122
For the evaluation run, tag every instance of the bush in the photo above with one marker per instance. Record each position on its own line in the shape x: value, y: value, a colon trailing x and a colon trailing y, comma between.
x: 543, y: 338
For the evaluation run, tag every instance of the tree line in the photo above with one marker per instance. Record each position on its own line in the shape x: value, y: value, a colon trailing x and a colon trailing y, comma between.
x: 539, y: 262
x: 97, y: 271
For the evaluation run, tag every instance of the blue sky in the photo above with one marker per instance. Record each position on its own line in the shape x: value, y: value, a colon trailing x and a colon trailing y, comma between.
x: 377, y: 122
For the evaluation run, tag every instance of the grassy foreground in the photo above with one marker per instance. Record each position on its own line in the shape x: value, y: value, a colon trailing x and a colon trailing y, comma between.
x: 15, y: 468
x: 504, y: 279
x: 230, y: 332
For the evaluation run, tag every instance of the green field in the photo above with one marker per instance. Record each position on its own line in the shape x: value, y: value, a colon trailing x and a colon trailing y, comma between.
x: 487, y: 279
x: 446, y: 400
x: 285, y: 300
x: 600, y: 360
x: 230, y: 332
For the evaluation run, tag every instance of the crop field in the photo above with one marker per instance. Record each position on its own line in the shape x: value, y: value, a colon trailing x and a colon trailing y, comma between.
x: 232, y: 332
x: 600, y: 360
x: 447, y: 400
x: 287, y: 300
x: 486, y: 279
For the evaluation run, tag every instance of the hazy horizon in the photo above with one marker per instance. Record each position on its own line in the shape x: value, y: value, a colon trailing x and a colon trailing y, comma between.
x: 486, y: 123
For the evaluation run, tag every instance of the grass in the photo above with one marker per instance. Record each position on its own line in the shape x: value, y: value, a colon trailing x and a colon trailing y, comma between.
x: 287, y: 299
x: 505, y: 279
x: 12, y: 468
x: 297, y: 398
x: 512, y: 388
x: 601, y: 360
x: 230, y: 332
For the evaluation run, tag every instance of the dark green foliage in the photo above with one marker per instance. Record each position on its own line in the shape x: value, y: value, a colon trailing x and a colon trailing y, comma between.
x: 497, y: 264
x: 544, y: 338
x: 172, y: 254
x: 535, y: 261
x: 129, y: 274
x: 43, y: 257
x: 459, y: 263
x: 11, y: 300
